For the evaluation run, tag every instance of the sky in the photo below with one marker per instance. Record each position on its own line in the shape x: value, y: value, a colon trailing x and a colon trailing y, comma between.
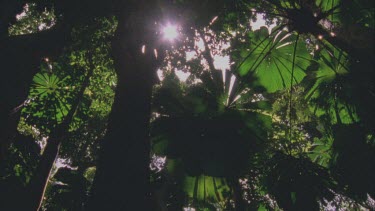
x: 220, y: 62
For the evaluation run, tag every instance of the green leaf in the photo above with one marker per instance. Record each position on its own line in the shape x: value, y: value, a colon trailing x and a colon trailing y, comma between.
x: 270, y: 59
x: 205, y: 188
x: 293, y: 196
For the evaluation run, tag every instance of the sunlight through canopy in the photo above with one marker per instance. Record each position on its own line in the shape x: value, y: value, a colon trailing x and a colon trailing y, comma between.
x: 170, y: 32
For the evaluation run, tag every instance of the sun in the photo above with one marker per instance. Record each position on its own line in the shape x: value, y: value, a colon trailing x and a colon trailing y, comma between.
x: 170, y: 32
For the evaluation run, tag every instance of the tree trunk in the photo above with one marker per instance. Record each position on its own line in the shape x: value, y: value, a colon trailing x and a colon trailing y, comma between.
x: 38, y: 184
x: 237, y: 194
x: 122, y: 177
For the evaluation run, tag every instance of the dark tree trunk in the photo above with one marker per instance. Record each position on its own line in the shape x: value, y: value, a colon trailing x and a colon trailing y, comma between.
x: 35, y: 190
x: 122, y: 178
x: 237, y: 194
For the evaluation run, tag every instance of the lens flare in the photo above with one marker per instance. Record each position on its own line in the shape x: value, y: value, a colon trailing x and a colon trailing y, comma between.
x: 170, y: 32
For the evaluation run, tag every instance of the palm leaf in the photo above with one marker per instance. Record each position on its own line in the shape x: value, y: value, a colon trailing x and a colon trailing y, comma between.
x: 328, y: 89
x: 271, y: 61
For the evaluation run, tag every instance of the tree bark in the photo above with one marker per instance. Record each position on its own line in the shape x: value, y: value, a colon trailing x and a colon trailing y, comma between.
x: 237, y: 194
x: 38, y: 184
x: 122, y: 177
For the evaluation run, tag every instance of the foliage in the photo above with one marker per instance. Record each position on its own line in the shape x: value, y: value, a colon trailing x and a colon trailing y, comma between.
x: 285, y: 122
x: 32, y: 20
x: 271, y: 57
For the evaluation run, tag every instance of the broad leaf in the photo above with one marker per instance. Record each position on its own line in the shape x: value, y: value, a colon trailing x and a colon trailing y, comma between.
x: 270, y: 59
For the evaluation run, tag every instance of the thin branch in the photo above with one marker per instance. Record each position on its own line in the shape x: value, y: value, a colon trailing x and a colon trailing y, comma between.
x: 291, y: 88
